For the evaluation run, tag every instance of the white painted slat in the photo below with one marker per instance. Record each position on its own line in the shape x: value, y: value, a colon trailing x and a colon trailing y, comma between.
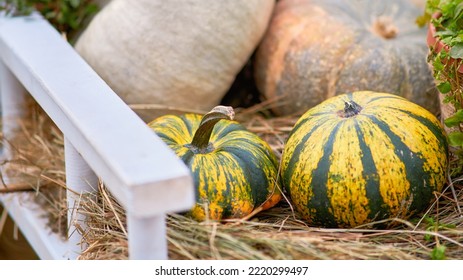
x: 13, y: 106
x: 138, y: 168
x: 32, y: 220
x: 21, y: 207
x: 80, y: 179
x: 148, y: 246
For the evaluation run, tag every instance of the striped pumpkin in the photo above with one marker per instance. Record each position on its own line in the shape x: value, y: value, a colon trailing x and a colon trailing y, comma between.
x: 363, y: 157
x: 234, y: 171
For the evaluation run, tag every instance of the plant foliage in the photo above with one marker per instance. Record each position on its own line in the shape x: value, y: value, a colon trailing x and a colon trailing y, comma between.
x: 447, y: 17
x: 67, y: 16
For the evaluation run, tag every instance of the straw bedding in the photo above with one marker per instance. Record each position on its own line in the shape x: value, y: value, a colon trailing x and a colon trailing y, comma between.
x: 278, y: 233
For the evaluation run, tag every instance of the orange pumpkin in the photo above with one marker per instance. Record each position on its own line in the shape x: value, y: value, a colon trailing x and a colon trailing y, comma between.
x: 315, y: 49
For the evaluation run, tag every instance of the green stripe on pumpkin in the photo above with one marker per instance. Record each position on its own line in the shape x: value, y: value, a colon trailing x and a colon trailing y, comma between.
x: 191, y: 122
x: 320, y: 175
x: 221, y: 179
x: 417, y: 178
x: 375, y: 203
x: 176, y: 129
x: 346, y: 184
x: 423, y: 134
x: 260, y: 173
x: 297, y: 180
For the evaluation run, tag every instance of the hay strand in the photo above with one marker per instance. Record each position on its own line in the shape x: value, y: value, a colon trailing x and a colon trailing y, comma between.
x: 277, y: 233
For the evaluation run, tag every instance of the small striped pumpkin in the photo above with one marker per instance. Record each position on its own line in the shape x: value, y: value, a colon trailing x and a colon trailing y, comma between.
x: 234, y: 170
x: 363, y: 157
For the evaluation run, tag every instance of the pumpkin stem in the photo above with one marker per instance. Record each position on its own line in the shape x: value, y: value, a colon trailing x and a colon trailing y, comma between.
x: 350, y: 109
x: 202, y: 135
x: 384, y: 27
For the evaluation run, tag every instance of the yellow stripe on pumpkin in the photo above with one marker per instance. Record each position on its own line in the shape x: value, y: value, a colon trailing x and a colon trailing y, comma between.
x: 346, y: 184
x: 308, y: 159
x: 258, y: 149
x: 394, y: 186
x: 174, y: 128
x: 411, y: 132
x: 218, y: 176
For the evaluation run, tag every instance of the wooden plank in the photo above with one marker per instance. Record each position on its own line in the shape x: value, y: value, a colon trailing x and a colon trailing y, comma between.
x: 32, y: 221
x: 81, y: 179
x: 137, y: 167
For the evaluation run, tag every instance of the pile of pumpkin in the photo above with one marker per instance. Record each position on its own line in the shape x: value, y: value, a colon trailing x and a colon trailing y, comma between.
x: 367, y: 145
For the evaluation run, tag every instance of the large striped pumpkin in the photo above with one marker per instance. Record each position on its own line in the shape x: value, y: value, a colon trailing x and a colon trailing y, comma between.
x: 234, y: 170
x: 363, y: 157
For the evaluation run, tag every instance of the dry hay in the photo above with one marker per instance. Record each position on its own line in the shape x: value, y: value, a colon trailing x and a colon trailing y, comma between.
x: 278, y: 233
x: 38, y: 165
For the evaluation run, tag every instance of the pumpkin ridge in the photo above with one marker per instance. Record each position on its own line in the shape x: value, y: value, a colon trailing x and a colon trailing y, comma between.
x: 255, y: 174
x: 375, y: 201
x: 343, y: 11
x: 429, y: 128
x: 433, y: 127
x: 405, y: 82
x: 433, y: 166
x: 303, y: 121
x: 414, y: 171
x: 187, y: 157
x: 413, y: 78
x: 225, y: 127
x: 168, y: 128
x: 221, y: 179
x: 320, y: 198
x: 190, y: 125
x: 240, y: 190
x: 380, y: 96
x: 335, y: 75
x: 346, y: 184
x: 290, y: 166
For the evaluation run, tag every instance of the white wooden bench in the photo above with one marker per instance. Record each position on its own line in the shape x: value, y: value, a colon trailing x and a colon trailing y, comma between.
x: 104, y: 139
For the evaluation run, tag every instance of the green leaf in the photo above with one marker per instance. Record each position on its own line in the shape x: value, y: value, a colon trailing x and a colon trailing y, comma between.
x: 456, y: 139
x: 437, y: 63
x: 74, y: 3
x: 458, y: 11
x: 444, y: 87
x: 455, y: 119
x: 445, y: 33
x: 91, y: 9
x: 457, y: 51
x: 422, y: 20
x: 438, y: 253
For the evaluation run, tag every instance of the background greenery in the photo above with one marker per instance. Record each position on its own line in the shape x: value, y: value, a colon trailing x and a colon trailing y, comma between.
x: 68, y: 16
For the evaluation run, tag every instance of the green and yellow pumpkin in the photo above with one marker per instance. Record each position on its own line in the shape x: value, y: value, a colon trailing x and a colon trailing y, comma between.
x: 362, y: 157
x: 235, y: 172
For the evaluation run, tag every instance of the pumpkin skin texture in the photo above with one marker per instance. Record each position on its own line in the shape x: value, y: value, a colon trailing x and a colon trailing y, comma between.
x: 235, y: 172
x: 316, y: 49
x: 182, y: 54
x: 344, y: 168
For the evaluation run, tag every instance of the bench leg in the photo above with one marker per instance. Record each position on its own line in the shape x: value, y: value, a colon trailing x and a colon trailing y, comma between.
x: 80, y: 179
x: 13, y: 107
x: 147, y: 237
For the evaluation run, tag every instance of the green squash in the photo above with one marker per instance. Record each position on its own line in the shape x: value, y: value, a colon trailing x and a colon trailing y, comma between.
x: 363, y: 157
x: 235, y: 171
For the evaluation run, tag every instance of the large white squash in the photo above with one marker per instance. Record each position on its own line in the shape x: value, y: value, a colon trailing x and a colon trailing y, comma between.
x: 178, y: 53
